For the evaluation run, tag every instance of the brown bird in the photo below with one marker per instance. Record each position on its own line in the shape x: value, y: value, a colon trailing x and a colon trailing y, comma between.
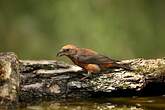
x: 89, y: 60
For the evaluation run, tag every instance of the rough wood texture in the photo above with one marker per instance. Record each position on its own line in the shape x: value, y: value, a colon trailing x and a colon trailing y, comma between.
x: 52, y: 80
x: 9, y: 80
x: 55, y: 80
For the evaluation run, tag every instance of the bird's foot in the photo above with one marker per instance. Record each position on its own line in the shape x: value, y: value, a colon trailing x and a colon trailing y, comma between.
x: 83, y: 78
x: 86, y: 76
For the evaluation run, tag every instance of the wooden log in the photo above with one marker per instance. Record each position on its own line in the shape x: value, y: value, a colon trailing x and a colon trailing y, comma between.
x: 47, y: 79
x: 9, y: 80
x: 56, y: 80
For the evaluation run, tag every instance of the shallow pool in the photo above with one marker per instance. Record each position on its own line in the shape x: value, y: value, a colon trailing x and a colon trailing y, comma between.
x: 121, y: 103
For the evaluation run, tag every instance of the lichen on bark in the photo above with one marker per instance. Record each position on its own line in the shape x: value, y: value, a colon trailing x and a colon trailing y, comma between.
x: 9, y: 79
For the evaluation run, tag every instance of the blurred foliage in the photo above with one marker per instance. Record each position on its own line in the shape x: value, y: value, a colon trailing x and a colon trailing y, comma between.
x: 37, y: 29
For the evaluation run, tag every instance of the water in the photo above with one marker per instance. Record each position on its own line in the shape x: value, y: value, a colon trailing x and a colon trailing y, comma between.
x: 129, y: 103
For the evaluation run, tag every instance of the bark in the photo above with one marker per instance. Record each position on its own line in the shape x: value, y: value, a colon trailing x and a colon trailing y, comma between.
x: 9, y: 80
x: 55, y: 80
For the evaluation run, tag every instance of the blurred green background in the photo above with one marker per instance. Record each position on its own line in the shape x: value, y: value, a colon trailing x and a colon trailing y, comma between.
x: 122, y: 29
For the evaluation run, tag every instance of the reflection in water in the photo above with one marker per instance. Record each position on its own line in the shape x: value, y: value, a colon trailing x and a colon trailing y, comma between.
x: 135, y: 103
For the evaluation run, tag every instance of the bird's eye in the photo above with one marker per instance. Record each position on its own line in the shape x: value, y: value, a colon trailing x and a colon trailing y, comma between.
x: 66, y: 50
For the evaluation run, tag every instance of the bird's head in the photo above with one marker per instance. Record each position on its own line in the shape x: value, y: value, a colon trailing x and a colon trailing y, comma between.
x: 68, y: 50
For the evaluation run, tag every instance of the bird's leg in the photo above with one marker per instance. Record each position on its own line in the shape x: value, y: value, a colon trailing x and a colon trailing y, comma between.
x: 86, y: 76
x: 107, y: 73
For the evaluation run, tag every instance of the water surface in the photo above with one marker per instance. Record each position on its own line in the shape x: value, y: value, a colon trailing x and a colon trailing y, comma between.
x: 123, y: 103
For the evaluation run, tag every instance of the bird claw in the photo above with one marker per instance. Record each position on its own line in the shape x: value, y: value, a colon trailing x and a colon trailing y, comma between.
x: 83, y: 78
x: 86, y: 76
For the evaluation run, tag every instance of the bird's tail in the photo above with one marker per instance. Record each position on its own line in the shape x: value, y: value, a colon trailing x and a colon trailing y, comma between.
x: 125, y: 66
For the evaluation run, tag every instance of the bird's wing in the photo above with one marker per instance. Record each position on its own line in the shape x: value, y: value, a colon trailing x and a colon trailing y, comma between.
x: 95, y: 59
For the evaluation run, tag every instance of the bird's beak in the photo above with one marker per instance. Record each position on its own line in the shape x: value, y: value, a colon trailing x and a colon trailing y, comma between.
x: 60, y: 53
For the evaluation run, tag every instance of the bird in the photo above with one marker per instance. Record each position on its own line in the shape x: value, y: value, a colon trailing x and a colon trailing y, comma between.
x: 89, y: 60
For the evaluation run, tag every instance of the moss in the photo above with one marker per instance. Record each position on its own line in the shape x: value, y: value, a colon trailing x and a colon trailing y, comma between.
x: 159, y: 70
x: 157, y: 67
x: 124, y: 86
